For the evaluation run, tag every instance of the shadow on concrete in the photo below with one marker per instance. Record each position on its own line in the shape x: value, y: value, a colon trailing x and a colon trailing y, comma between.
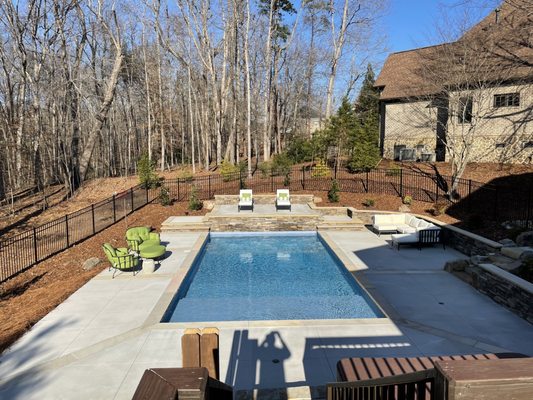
x: 264, y: 365
x: 24, y: 383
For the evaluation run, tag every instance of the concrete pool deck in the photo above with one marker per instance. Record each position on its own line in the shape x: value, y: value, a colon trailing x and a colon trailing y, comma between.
x: 97, y: 343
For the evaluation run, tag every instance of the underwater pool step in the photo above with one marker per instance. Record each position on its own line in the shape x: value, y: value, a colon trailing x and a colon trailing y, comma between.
x: 241, y: 308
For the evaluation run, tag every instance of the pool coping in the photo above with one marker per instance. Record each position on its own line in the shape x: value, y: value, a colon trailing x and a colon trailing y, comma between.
x: 158, y: 312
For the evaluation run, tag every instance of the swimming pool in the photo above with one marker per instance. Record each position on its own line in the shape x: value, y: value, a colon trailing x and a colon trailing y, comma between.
x: 268, y: 276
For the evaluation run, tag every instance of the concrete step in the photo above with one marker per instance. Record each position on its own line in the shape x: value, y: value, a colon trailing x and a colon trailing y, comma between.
x: 188, y: 228
x: 341, y: 225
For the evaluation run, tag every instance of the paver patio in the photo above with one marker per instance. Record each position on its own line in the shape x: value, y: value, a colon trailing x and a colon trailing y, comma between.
x: 97, y: 343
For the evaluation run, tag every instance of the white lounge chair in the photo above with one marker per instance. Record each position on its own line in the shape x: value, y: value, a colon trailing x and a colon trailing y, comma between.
x: 283, y: 199
x: 246, y: 199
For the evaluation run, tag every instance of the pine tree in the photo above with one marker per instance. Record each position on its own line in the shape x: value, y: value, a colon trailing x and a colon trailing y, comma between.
x: 365, y: 141
x: 342, y: 127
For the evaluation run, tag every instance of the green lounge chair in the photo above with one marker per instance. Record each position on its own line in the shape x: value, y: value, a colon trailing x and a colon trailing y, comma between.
x: 120, y: 259
x: 140, y: 237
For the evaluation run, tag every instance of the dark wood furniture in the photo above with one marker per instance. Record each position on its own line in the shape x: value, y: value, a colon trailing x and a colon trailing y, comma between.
x: 394, y: 378
x: 181, y: 383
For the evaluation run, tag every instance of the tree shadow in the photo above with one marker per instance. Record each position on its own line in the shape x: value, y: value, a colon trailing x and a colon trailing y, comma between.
x: 32, y: 350
x: 505, y: 200
x: 21, y: 288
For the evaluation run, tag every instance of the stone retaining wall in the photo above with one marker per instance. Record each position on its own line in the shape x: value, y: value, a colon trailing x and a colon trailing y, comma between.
x: 504, y: 288
x: 328, y: 210
x: 265, y: 223
x: 469, y: 243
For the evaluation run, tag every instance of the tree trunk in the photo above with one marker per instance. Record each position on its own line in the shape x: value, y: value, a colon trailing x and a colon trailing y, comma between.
x: 101, y: 116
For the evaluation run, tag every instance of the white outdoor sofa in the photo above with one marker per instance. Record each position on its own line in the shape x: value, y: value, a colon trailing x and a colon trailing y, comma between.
x: 402, y: 223
x: 412, y: 230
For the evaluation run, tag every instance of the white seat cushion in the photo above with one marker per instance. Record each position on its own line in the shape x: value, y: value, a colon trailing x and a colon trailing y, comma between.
x: 404, y: 238
x: 406, y: 229
x: 385, y: 228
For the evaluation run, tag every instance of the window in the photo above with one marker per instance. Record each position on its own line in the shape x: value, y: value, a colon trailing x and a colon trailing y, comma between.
x: 528, y: 145
x: 507, y: 100
x: 500, y: 145
x: 464, y: 115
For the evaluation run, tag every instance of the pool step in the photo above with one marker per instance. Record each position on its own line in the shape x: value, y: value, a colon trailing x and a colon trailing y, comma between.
x: 340, y: 225
x: 189, y: 224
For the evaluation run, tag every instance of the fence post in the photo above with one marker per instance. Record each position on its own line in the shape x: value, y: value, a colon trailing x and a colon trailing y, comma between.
x: 114, y: 210
x: 469, y: 202
x: 35, y: 245
x: 496, y: 203
x: 335, y: 171
x: 66, y: 225
x: 271, y: 181
x: 209, y: 186
x: 131, y: 194
x: 92, y: 212
x: 366, y: 188
x: 528, y: 212
x: 146, y: 194
x: 178, y: 189
x: 303, y: 178
x: 401, y: 183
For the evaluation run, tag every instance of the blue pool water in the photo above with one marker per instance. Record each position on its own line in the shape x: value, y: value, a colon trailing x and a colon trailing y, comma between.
x: 240, y: 277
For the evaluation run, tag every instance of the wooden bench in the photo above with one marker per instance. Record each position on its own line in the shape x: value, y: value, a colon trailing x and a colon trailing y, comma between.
x: 398, y: 378
x: 357, y: 369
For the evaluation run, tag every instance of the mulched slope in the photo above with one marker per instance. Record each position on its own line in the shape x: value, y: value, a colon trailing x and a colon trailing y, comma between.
x: 28, y: 297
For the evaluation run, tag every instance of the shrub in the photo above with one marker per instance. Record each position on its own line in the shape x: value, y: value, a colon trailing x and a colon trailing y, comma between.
x: 369, y: 202
x: 320, y: 170
x: 229, y: 171
x: 287, y: 180
x: 186, y: 175
x: 333, y: 193
x: 164, y: 196
x: 281, y: 164
x: 147, y: 175
x: 266, y: 168
x: 407, y: 199
x: 300, y: 150
x: 439, y: 208
x: 395, y: 170
x: 194, y: 202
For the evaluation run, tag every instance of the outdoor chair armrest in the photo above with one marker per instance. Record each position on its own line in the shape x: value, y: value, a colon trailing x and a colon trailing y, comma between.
x: 134, y: 244
x: 153, y: 236
x: 126, y: 260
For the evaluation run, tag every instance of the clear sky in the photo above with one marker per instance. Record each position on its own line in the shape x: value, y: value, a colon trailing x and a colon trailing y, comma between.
x: 412, y: 23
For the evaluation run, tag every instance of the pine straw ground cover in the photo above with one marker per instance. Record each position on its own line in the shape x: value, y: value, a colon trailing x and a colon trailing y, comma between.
x: 28, y: 297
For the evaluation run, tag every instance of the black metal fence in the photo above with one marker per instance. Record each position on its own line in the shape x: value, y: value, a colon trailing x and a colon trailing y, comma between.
x: 23, y: 250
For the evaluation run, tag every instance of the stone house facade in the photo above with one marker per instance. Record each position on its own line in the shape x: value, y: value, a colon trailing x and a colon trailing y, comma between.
x: 492, y: 121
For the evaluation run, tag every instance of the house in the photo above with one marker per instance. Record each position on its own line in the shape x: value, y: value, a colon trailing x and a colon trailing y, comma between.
x: 472, y: 97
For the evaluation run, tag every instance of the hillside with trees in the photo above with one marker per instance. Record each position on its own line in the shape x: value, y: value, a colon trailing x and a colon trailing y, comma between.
x: 87, y: 87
